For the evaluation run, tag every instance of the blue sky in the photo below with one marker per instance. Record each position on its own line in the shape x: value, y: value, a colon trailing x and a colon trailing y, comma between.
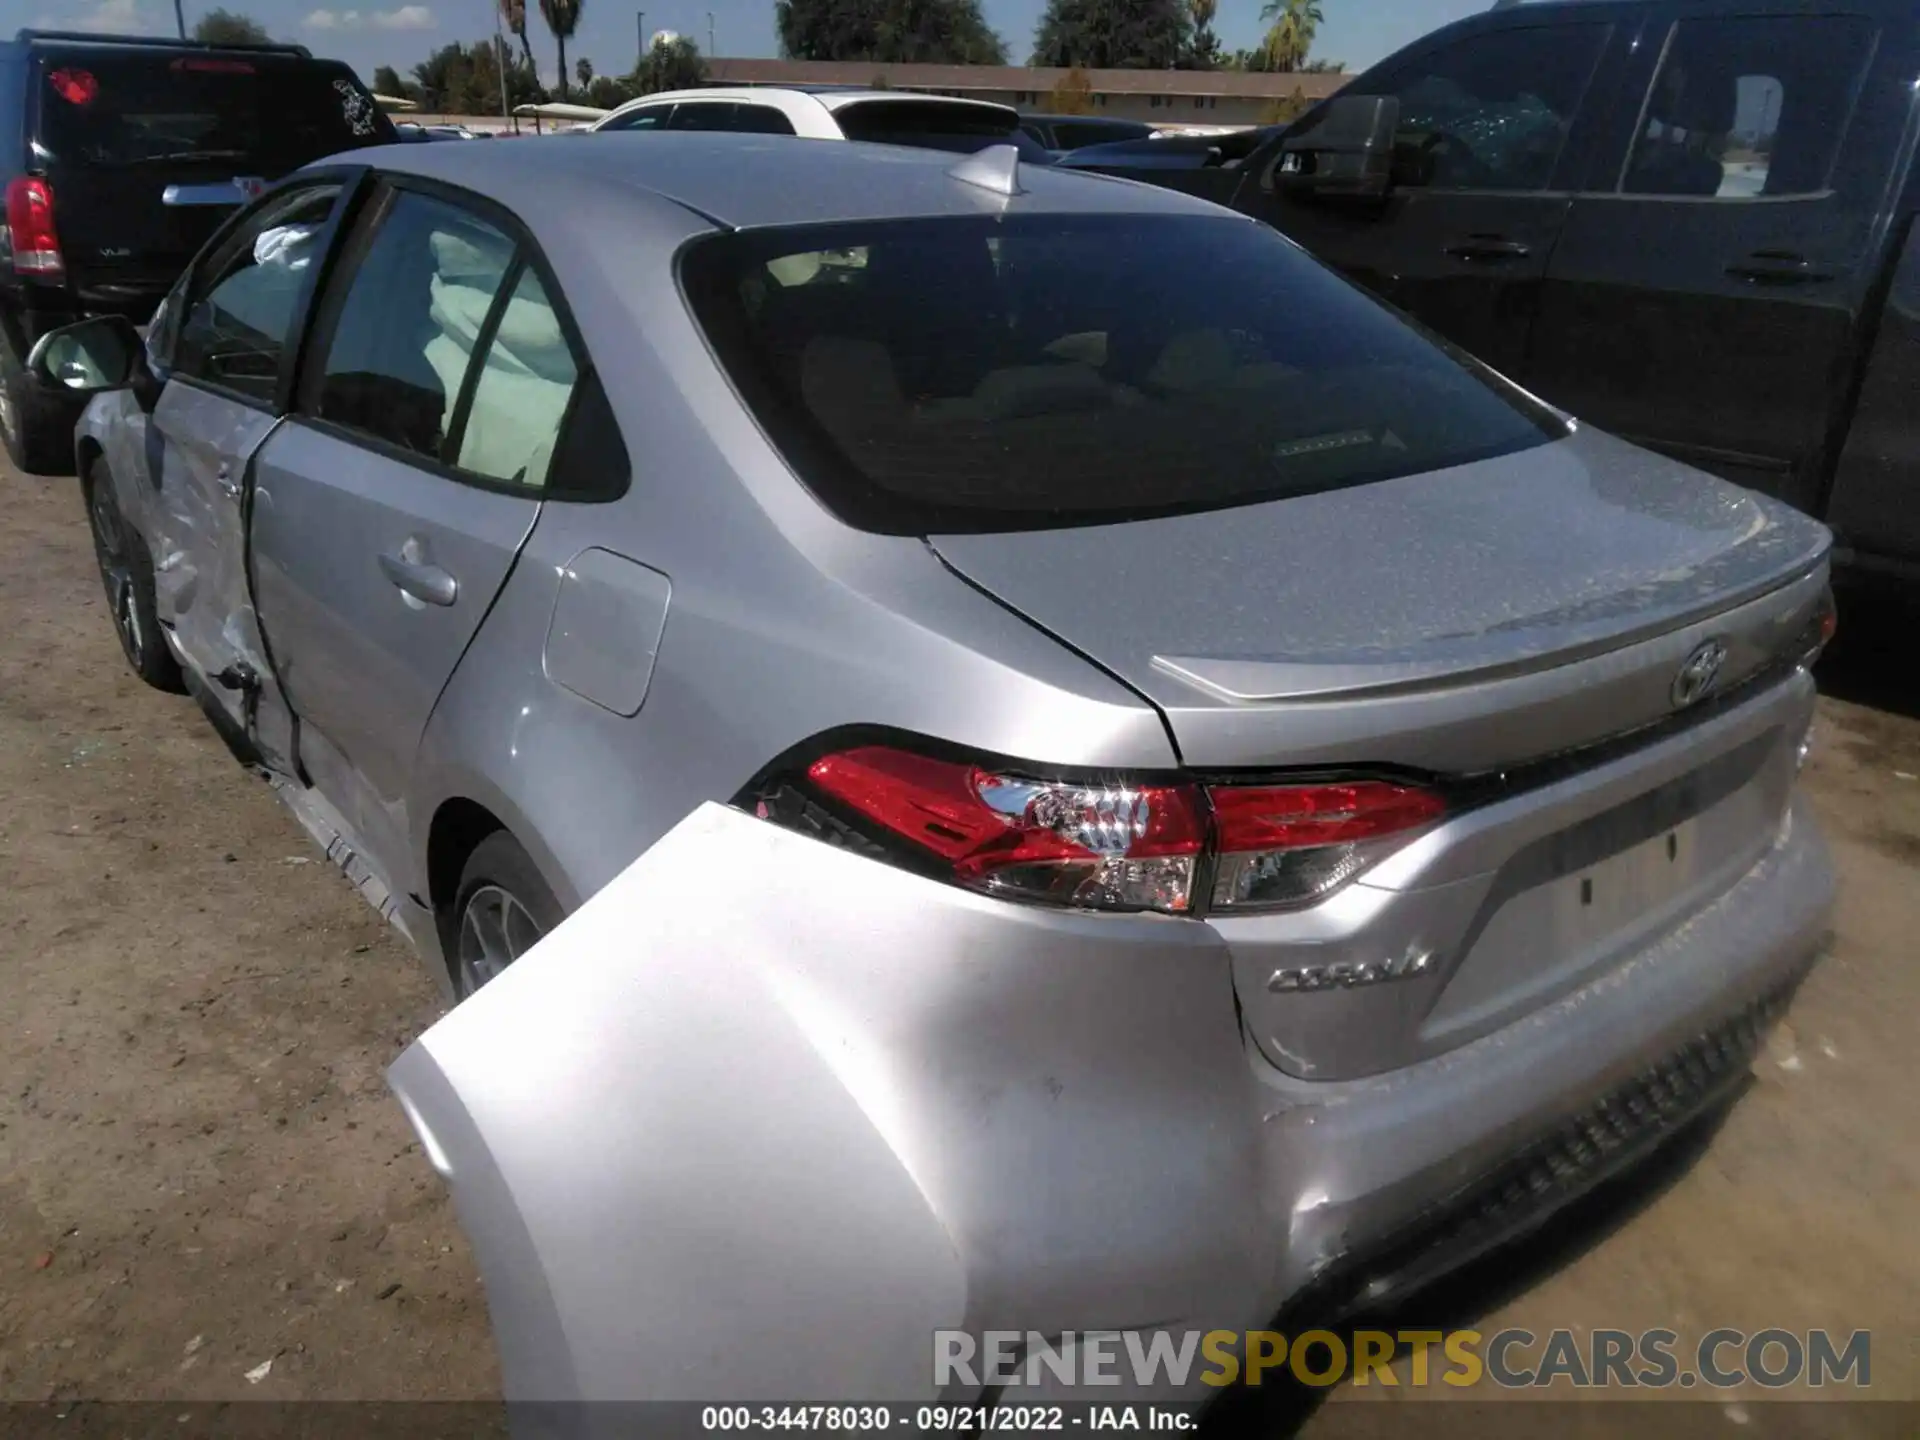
x: 401, y: 32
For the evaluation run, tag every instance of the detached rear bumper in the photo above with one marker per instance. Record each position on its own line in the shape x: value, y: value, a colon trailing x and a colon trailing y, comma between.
x: 764, y: 1115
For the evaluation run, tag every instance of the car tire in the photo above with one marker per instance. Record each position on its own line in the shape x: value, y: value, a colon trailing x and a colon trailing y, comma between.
x: 36, y: 429
x: 502, y: 907
x: 126, y: 574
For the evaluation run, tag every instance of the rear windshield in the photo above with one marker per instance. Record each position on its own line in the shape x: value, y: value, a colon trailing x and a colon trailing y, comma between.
x: 982, y: 374
x: 925, y: 123
x: 264, y: 115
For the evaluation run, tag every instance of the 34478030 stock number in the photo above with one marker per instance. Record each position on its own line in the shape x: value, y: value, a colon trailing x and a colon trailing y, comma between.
x: 874, y: 1419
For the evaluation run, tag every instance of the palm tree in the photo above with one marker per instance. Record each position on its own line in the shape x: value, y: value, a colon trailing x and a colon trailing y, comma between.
x: 563, y: 18
x: 514, y: 12
x: 583, y: 71
x: 1291, y: 34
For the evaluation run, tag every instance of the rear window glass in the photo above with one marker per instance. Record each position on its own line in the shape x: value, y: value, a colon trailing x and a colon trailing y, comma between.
x: 951, y: 375
x: 263, y: 116
x: 918, y: 122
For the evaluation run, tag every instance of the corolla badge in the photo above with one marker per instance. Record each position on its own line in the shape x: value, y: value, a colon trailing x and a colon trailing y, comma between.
x: 1698, y: 672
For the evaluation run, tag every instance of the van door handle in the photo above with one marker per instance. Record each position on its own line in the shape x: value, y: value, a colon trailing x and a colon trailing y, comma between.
x: 413, y: 574
x: 1777, y: 267
x: 223, y: 477
x: 1488, y: 249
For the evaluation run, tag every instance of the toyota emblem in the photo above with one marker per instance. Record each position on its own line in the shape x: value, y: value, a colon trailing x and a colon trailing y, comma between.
x: 1698, y: 673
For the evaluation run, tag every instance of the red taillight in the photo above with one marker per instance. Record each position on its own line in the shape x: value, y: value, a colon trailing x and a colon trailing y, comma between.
x: 1117, y: 844
x: 1111, y: 846
x: 76, y: 87
x: 35, y: 245
x: 1283, y: 846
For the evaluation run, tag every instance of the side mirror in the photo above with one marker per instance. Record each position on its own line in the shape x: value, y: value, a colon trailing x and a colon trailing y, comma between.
x: 1345, y: 150
x: 89, y: 358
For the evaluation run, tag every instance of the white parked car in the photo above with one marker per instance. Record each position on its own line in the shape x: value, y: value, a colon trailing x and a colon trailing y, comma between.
x: 824, y: 112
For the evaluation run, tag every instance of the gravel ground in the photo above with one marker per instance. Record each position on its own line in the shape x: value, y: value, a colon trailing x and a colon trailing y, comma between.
x: 201, y: 1170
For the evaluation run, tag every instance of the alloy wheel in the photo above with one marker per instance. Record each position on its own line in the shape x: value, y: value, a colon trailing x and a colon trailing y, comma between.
x: 495, y: 930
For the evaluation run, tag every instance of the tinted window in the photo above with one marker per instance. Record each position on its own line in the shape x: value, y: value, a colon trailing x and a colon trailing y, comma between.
x: 652, y: 118
x: 417, y: 300
x: 963, y: 374
x: 1491, y: 112
x: 761, y: 120
x: 703, y: 115
x: 926, y: 122
x: 261, y: 116
x: 1073, y: 134
x: 240, y: 310
x: 1746, y: 108
x: 520, y: 396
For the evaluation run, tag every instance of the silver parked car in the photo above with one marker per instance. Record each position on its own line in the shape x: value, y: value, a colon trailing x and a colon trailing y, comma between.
x: 1078, y: 773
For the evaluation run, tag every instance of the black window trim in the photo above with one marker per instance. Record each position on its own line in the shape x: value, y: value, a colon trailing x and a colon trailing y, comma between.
x: 324, y: 319
x: 351, y: 179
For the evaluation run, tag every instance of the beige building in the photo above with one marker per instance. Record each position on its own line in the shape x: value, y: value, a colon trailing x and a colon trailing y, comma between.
x: 1159, y: 97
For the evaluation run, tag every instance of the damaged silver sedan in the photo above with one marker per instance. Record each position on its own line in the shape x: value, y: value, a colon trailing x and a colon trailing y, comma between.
x: 1009, y: 752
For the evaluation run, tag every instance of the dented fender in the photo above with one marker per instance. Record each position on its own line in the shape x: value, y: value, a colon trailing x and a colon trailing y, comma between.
x: 763, y: 1115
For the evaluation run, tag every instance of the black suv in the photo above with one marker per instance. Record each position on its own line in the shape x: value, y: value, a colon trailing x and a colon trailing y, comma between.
x: 1690, y: 222
x: 119, y: 157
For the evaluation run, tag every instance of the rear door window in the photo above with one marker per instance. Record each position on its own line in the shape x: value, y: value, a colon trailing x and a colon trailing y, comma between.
x: 931, y: 376
x: 703, y: 115
x: 1749, y: 108
x: 262, y: 116
x: 444, y: 343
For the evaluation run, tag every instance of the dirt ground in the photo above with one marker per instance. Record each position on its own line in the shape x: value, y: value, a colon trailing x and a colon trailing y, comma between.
x: 201, y: 1170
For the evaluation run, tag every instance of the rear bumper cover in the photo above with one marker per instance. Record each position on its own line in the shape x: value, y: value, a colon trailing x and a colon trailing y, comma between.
x: 763, y: 1115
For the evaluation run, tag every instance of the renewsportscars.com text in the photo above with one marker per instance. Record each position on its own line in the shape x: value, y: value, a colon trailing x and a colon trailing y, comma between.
x: 1510, y: 1359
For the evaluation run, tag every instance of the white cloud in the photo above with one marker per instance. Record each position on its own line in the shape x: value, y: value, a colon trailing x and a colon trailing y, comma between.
x: 407, y: 17
x: 107, y: 17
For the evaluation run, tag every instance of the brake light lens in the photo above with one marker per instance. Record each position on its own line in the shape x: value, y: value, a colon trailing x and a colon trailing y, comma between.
x: 76, y: 87
x: 215, y: 67
x: 31, y: 236
x: 1130, y: 847
x: 1121, y: 844
x: 1283, y: 846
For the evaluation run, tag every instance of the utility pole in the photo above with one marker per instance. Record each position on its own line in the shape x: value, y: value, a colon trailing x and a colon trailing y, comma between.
x: 180, y: 19
x: 709, y: 32
x: 640, y: 35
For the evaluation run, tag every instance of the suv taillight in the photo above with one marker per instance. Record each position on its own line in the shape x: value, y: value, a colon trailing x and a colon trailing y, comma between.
x: 30, y: 232
x: 1116, y: 844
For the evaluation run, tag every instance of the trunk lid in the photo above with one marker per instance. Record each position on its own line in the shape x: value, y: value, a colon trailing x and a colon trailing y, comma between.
x: 1265, y: 632
x: 1460, y: 623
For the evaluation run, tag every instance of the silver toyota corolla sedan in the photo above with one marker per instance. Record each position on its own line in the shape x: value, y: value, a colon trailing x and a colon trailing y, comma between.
x: 1077, y: 773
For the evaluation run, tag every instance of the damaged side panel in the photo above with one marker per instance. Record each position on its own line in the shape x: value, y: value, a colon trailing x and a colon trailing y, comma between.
x: 763, y: 1114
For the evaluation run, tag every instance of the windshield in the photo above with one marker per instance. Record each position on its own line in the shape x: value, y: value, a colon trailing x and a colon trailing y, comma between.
x: 979, y: 374
x: 262, y: 116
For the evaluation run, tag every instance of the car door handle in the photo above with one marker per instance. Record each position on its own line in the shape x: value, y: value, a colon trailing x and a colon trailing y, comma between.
x: 414, y: 576
x: 1777, y: 267
x: 223, y: 477
x: 1488, y: 249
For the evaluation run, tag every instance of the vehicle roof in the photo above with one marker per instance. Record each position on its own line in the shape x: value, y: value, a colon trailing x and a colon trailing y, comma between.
x: 742, y: 181
x: 832, y: 97
x: 94, y: 41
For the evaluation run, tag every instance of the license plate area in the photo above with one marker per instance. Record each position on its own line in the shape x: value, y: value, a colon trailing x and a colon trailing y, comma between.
x: 1617, y: 893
